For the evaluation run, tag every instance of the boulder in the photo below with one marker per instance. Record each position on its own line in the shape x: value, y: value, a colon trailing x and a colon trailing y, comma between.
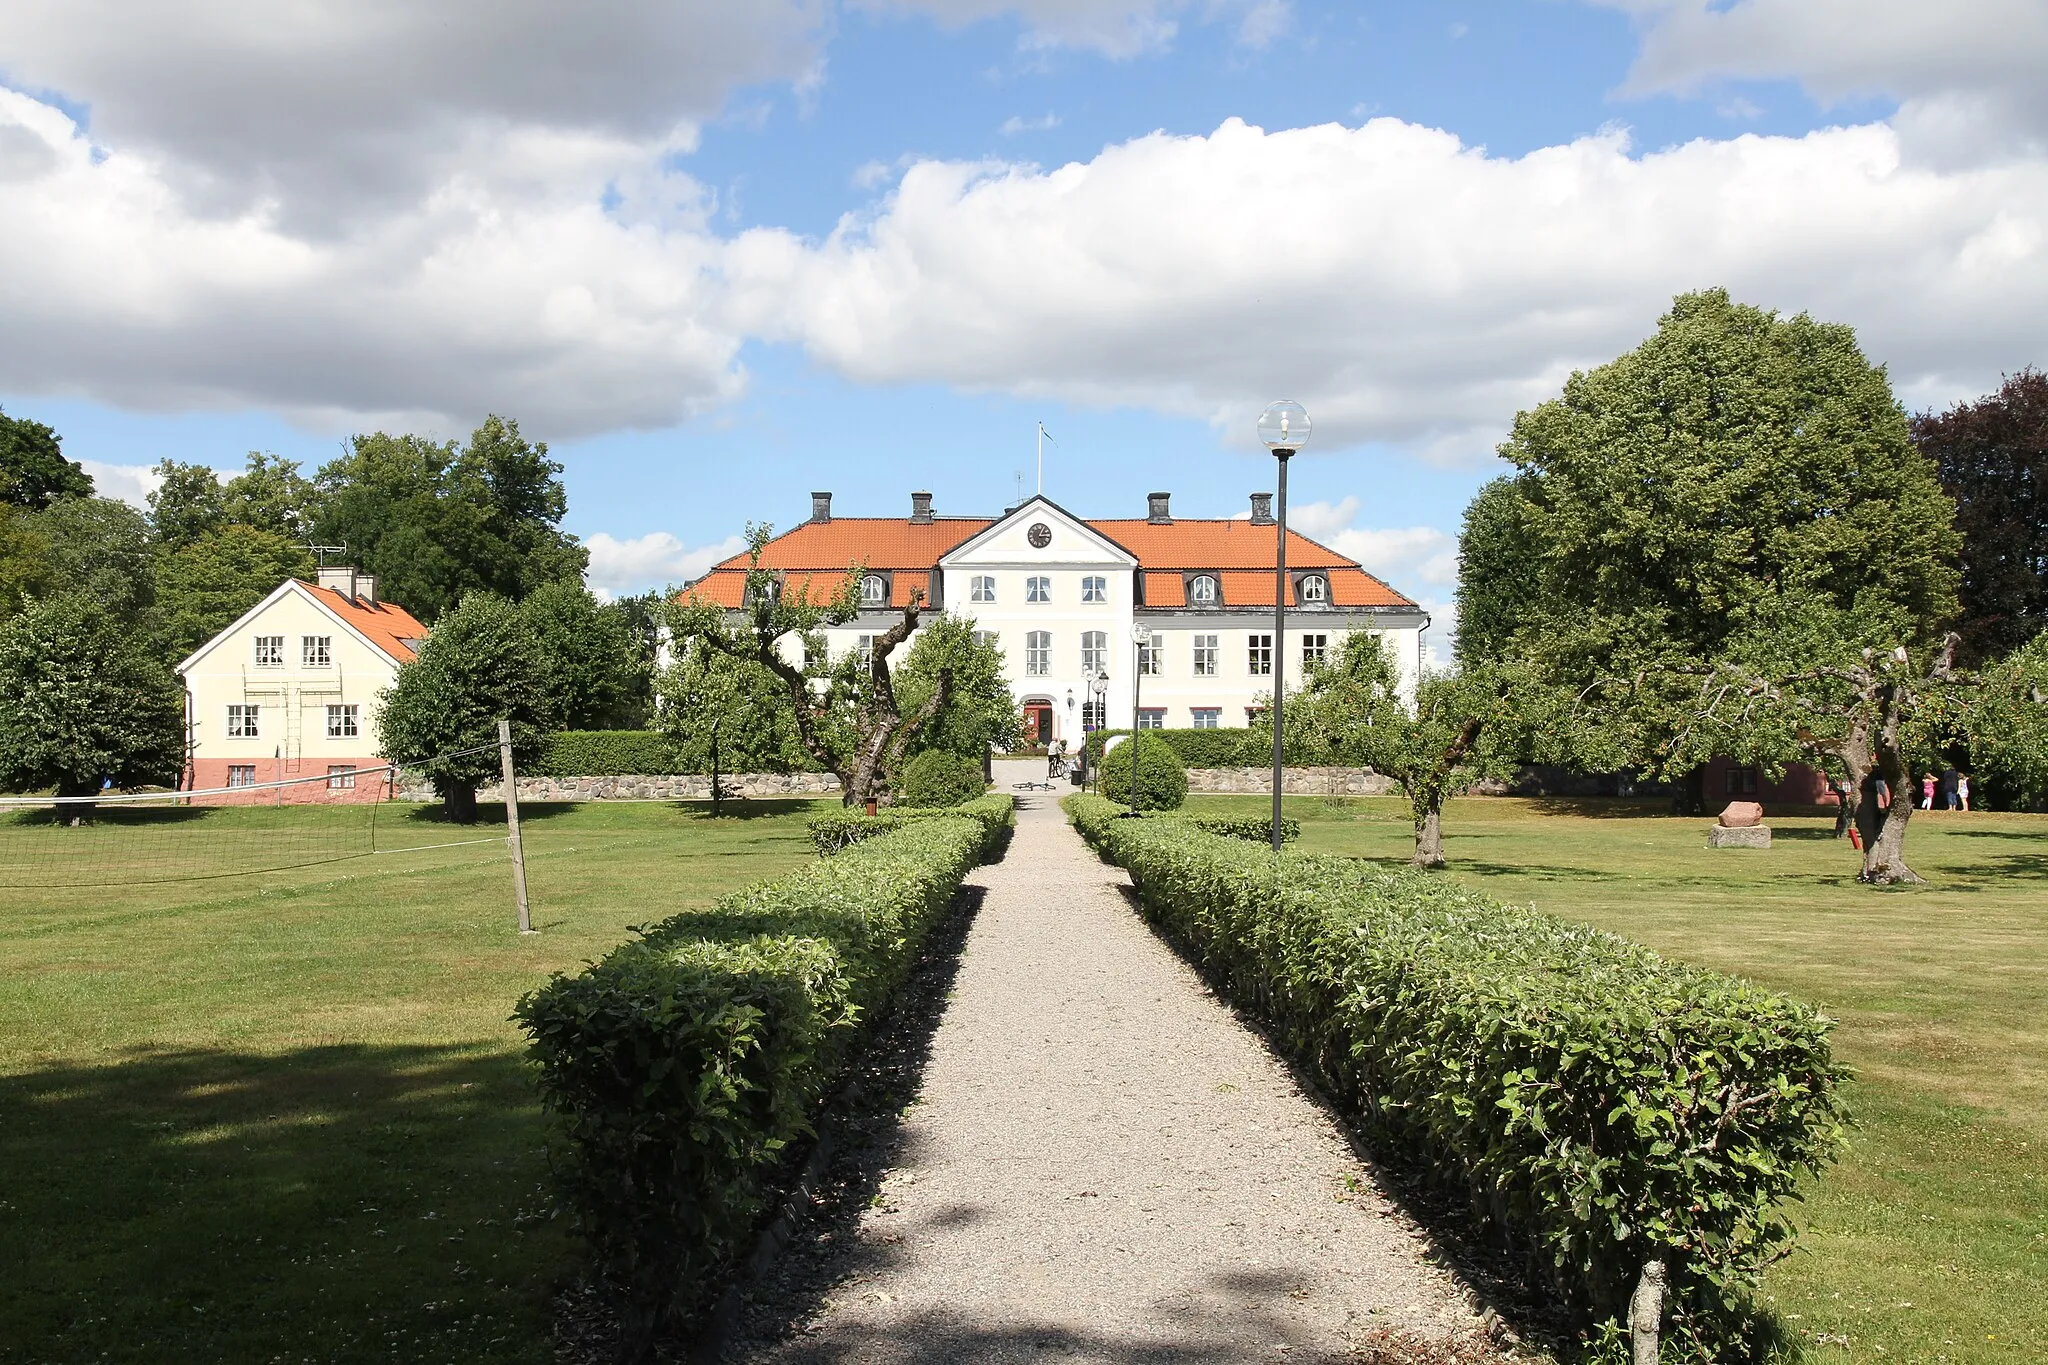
x: 1742, y: 815
x: 1739, y: 836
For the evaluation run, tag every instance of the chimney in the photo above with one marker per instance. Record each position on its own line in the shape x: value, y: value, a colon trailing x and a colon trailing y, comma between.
x: 821, y: 507
x: 1262, y: 509
x: 338, y: 578
x: 366, y: 589
x: 920, y: 509
x: 1155, y: 509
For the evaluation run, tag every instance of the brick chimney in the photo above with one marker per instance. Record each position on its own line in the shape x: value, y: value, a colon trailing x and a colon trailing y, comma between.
x: 366, y: 589
x: 338, y: 578
x: 821, y: 507
x: 1155, y: 509
x: 920, y: 509
x: 1262, y: 509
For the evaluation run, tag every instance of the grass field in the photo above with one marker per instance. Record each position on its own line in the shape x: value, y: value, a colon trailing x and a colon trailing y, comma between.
x: 1929, y: 1242
x: 282, y: 1116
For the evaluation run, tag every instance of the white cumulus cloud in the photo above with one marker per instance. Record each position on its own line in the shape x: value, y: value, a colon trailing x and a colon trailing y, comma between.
x: 130, y: 483
x: 619, y: 567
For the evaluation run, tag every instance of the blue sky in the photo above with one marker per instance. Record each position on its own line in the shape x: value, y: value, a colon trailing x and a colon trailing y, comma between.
x: 720, y: 256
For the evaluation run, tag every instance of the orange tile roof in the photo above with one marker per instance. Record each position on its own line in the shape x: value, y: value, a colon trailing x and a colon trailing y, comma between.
x: 878, y: 542
x: 1232, y: 544
x: 1165, y: 590
x: 387, y: 625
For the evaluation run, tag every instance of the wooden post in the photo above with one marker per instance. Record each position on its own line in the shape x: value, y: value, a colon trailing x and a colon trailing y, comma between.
x: 1646, y: 1315
x: 512, y: 824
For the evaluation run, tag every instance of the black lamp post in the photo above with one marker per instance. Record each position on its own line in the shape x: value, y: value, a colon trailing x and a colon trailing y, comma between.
x: 1284, y: 427
x: 1098, y: 687
x: 1141, y: 641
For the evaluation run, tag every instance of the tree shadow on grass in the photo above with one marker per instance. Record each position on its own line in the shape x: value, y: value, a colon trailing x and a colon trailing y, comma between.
x: 2025, y: 866
x: 492, y: 813
x: 338, y: 1203
x: 2026, y: 836
x: 747, y: 808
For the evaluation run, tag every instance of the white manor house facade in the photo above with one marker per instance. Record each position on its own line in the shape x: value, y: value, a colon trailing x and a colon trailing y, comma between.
x: 1061, y: 596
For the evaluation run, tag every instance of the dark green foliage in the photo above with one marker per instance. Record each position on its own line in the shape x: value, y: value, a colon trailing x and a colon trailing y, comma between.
x: 441, y: 714
x: 836, y: 829
x: 1993, y: 460
x: 26, y: 570
x: 1600, y: 1106
x: 434, y: 522
x: 1160, y: 781
x: 1495, y: 586
x: 33, y: 470
x: 594, y: 669
x: 729, y: 714
x: 208, y: 582
x: 1219, y: 748
x: 684, y: 1063
x: 980, y: 713
x: 2004, y: 723
x: 192, y: 501
x: 82, y: 698
x: 100, y: 549
x: 939, y: 777
x: 605, y: 753
x: 1258, y: 829
x: 185, y: 504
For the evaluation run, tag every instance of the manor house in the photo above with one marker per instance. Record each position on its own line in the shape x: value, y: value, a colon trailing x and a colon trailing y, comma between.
x: 1062, y: 596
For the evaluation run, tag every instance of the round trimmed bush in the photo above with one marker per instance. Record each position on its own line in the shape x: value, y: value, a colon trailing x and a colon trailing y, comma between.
x: 1162, y: 778
x: 938, y: 778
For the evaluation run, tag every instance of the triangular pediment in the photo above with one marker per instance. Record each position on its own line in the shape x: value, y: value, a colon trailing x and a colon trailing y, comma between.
x: 1010, y: 540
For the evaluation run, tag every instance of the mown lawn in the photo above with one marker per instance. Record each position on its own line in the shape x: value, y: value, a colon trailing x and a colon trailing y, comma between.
x: 1929, y: 1241
x: 282, y: 1116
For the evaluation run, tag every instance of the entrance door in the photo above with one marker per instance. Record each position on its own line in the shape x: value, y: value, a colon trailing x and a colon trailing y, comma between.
x: 1038, y: 722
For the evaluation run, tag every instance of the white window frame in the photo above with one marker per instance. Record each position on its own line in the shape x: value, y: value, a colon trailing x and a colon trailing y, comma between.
x: 1314, y: 588
x: 864, y: 647
x: 1204, y: 590
x: 1038, y: 588
x: 1094, y: 588
x: 1205, y: 656
x: 241, y: 774
x: 1315, y: 648
x: 981, y: 588
x: 874, y: 591
x: 344, y: 720
x: 1095, y: 714
x: 316, y: 651
x: 1094, y: 652
x: 1205, y: 717
x: 992, y: 638
x: 245, y: 720
x: 1151, y: 718
x: 1038, y: 654
x: 1151, y: 655
x: 1258, y: 654
x: 269, y: 651
x: 341, y: 777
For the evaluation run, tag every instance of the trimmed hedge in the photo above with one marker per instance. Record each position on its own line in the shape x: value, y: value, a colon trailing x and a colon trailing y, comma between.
x: 606, y: 753
x: 1160, y: 782
x: 684, y: 1063
x: 1601, y: 1106
x: 938, y: 777
x: 834, y: 830
x: 1257, y: 828
x: 1240, y: 747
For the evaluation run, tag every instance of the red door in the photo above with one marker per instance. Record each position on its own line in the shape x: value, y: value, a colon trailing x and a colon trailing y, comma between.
x: 1038, y: 723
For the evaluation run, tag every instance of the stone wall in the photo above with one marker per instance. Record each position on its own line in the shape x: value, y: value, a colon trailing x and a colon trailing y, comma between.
x: 690, y: 787
x: 1300, y: 781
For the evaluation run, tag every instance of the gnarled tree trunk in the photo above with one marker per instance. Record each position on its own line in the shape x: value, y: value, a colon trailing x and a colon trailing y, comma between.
x: 458, y: 803
x: 1429, y: 836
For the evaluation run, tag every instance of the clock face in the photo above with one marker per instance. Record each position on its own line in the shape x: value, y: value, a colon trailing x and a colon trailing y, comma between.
x: 1040, y: 535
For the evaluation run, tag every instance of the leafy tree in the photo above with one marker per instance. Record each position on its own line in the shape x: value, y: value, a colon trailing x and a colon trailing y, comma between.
x: 33, y: 470
x: 1993, y: 460
x: 1494, y: 584
x: 726, y: 714
x: 26, y: 571
x: 83, y: 700
x: 185, y: 505
x: 1464, y: 726
x: 205, y: 585
x: 271, y: 495
x: 981, y: 711
x: 440, y: 715
x: 851, y: 721
x: 102, y: 549
x: 594, y: 671
x: 2005, y: 722
x: 434, y: 522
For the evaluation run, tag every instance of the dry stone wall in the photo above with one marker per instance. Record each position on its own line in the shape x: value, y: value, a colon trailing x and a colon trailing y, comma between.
x: 1300, y: 781
x: 687, y: 787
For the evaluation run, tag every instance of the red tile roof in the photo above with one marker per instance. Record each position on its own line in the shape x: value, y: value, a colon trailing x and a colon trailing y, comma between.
x: 388, y: 626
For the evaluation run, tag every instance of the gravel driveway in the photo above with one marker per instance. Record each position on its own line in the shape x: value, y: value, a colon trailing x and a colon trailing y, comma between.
x: 1105, y: 1165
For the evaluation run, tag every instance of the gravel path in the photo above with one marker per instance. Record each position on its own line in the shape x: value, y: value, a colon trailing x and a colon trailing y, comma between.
x: 1105, y: 1165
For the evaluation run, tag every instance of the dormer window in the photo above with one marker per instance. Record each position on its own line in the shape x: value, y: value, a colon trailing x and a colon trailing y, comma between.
x: 1202, y: 590
x: 1314, y: 588
x: 874, y: 591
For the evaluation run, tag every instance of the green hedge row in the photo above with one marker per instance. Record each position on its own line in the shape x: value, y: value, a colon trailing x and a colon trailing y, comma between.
x: 606, y: 753
x: 1257, y: 828
x: 1601, y: 1106
x: 834, y: 830
x: 1237, y: 748
x: 682, y: 1064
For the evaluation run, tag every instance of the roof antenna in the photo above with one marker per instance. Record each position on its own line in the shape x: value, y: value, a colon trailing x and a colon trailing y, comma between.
x: 1043, y: 437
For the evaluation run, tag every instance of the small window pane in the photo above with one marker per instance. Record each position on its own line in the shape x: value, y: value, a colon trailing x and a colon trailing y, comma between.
x: 1038, y: 589
x: 241, y: 774
x: 1259, y: 655
x: 1094, y: 589
x: 1206, y: 717
x: 983, y: 588
x: 1202, y: 590
x: 1152, y: 718
x: 243, y: 722
x: 873, y: 591
x: 315, y: 651
x: 270, y: 651
x: 1315, y: 588
x: 344, y: 722
x: 1314, y: 649
x: 1094, y: 652
x: 1205, y: 656
x: 1150, y: 654
x: 341, y: 776
x: 1038, y: 653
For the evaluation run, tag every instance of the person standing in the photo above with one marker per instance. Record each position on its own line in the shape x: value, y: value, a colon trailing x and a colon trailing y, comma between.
x: 1927, y: 792
x: 1963, y: 789
x: 1948, y: 788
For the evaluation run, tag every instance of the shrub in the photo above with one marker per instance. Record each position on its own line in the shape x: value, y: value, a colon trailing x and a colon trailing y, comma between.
x: 836, y: 829
x: 1219, y: 748
x: 685, y: 1062
x: 1257, y: 828
x: 1162, y: 779
x: 938, y: 778
x: 1600, y: 1106
x: 606, y: 753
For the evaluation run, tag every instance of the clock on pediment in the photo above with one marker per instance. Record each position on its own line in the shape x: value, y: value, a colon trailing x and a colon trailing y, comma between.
x: 1040, y: 535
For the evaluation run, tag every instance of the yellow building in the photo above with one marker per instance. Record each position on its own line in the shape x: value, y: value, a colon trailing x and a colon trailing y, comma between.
x: 290, y: 690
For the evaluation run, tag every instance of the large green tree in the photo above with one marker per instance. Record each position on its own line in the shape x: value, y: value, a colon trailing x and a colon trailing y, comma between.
x: 434, y: 521
x: 84, y: 701
x: 26, y: 570
x: 33, y: 470
x: 726, y: 714
x: 185, y: 504
x: 2004, y: 723
x: 594, y: 666
x: 1992, y: 456
x: 981, y: 712
x: 209, y: 582
x: 440, y: 715
x: 102, y: 549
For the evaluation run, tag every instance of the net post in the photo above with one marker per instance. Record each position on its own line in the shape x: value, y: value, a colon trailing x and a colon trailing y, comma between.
x: 512, y: 824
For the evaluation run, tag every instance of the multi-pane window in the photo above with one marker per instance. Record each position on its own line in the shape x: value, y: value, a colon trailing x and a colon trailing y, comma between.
x: 242, y: 721
x: 1742, y: 781
x: 270, y: 651
x: 1094, y: 589
x: 1202, y: 590
x: 241, y: 774
x: 344, y: 722
x: 993, y: 639
x: 1259, y: 655
x: 1205, y: 656
x: 1152, y: 718
x: 1094, y: 652
x: 1206, y: 717
x: 874, y: 591
x: 1038, y: 653
x: 1150, y: 653
x: 1092, y: 713
x: 1314, y: 649
x: 316, y: 651
x: 1314, y: 588
x: 865, y: 647
x: 341, y: 777
x: 981, y: 588
x: 1037, y: 589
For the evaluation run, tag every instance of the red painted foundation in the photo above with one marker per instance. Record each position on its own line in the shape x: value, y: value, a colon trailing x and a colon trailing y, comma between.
x: 373, y: 783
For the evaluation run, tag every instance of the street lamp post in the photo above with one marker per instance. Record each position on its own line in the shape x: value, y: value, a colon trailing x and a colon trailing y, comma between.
x: 1141, y: 639
x: 1099, y: 687
x: 1284, y: 427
